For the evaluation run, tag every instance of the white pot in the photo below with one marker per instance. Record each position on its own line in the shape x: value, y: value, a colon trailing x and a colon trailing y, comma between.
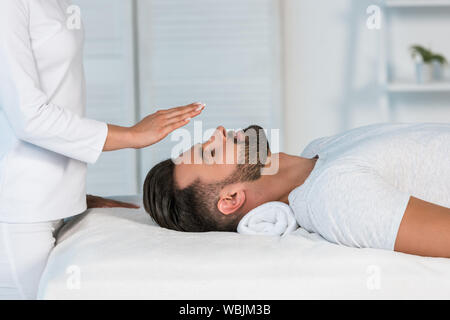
x: 424, y: 72
x: 437, y: 71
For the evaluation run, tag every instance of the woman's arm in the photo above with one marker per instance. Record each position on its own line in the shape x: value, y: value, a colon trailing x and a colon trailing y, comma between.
x: 424, y: 230
x: 27, y: 107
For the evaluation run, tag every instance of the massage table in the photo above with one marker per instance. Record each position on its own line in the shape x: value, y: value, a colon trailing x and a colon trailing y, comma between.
x: 122, y: 254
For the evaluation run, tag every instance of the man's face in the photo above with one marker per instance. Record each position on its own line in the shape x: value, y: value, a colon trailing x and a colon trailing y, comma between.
x: 218, y: 158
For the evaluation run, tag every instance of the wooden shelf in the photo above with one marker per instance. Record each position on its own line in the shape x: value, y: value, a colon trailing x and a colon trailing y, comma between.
x: 415, y: 87
x: 417, y: 3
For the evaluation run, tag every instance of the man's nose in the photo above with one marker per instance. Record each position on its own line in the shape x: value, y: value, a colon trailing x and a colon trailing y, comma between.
x: 221, y: 132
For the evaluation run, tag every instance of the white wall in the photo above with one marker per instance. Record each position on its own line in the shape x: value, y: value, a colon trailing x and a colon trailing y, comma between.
x: 332, y: 62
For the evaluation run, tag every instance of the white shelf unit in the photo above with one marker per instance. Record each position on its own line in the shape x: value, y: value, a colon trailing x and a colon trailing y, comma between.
x: 417, y: 3
x: 414, y: 87
x: 393, y: 87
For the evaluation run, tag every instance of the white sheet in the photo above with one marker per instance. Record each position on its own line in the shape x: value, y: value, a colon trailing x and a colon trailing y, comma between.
x: 121, y: 254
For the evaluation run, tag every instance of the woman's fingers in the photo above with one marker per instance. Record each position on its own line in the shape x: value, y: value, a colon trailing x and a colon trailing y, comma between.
x: 175, y: 125
x: 182, y: 115
x: 198, y: 106
x: 185, y: 116
x: 99, y: 202
x: 120, y: 204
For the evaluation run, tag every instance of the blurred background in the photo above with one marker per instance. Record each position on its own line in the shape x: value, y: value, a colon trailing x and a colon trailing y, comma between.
x: 310, y: 68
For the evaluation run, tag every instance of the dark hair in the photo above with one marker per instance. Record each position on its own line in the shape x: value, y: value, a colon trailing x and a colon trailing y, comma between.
x: 192, y: 209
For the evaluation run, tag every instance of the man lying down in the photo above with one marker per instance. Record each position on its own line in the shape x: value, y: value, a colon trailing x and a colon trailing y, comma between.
x: 384, y: 186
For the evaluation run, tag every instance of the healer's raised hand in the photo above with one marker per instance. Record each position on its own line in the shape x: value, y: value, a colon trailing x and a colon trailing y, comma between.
x: 152, y: 128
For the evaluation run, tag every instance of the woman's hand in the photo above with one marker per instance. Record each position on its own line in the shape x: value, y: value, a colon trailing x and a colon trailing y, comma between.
x: 152, y: 128
x: 98, y: 202
x: 157, y: 126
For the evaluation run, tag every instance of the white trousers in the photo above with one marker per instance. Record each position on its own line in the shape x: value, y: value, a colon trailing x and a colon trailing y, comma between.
x: 24, y: 250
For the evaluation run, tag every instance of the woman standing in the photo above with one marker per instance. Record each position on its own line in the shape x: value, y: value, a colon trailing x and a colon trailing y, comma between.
x: 45, y: 140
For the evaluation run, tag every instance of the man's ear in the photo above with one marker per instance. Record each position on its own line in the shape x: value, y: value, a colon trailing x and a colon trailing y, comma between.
x: 231, y: 201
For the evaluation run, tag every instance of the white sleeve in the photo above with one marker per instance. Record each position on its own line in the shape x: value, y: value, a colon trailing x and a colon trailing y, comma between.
x: 357, y: 208
x: 32, y: 117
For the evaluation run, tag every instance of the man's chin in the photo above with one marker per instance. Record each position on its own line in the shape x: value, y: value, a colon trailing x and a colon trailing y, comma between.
x: 261, y: 135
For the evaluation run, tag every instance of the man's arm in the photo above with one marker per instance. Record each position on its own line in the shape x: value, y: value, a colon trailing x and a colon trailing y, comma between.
x: 424, y: 230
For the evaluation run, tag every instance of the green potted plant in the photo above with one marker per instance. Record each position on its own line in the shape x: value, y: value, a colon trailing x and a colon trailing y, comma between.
x: 428, y: 64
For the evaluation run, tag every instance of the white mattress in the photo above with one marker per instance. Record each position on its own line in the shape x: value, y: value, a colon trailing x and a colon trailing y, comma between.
x: 121, y: 254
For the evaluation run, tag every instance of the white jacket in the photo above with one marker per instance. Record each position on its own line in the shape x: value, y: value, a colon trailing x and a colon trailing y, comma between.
x: 45, y: 141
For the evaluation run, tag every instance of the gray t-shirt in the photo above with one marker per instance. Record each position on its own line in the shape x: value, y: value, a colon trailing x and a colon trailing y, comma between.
x: 359, y: 189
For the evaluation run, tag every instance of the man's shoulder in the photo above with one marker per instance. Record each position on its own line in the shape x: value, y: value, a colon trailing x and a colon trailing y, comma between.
x: 314, y: 147
x: 349, y: 137
x: 339, y: 177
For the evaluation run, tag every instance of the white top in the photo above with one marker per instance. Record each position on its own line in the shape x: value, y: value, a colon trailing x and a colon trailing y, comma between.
x: 45, y: 142
x: 361, y: 184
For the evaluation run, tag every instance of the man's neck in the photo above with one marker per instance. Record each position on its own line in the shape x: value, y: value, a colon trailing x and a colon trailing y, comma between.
x: 292, y: 172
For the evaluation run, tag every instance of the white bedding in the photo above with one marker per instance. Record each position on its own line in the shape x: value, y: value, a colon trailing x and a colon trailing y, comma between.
x: 122, y: 254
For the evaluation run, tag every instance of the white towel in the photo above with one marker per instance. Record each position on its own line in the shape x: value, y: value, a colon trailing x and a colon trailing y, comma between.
x: 272, y: 219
